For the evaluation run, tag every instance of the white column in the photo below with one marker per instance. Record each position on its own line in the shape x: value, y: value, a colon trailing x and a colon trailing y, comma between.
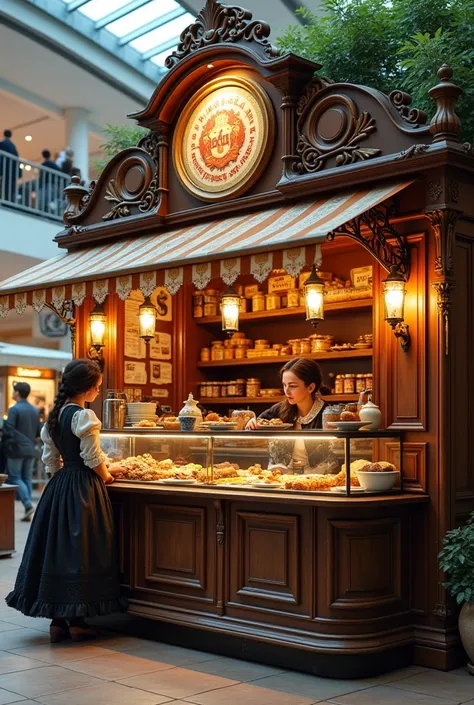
x: 77, y: 131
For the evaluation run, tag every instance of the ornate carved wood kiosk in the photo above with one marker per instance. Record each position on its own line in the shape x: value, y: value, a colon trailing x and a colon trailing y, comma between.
x: 254, y: 163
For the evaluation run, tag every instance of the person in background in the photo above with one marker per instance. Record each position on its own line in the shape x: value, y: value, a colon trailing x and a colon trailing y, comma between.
x: 68, y: 162
x: 48, y: 186
x: 70, y: 568
x: 24, y: 417
x: 8, y: 168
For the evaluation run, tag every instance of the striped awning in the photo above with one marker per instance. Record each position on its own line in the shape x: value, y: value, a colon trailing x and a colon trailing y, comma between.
x: 256, y: 243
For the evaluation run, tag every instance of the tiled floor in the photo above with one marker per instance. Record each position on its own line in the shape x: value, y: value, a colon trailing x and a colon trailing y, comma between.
x: 124, y: 670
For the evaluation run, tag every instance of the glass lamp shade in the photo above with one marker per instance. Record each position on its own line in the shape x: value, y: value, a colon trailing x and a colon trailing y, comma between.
x: 314, y: 298
x: 147, y: 320
x: 97, y: 326
x: 230, y: 311
x: 394, y: 291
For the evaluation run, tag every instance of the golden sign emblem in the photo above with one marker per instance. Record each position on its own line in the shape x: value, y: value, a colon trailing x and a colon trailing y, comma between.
x: 223, y: 138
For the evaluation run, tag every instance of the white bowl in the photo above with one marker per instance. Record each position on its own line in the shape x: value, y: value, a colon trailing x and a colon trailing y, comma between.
x: 377, y: 481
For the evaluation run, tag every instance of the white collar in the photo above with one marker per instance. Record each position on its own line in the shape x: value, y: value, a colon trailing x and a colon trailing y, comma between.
x: 312, y: 413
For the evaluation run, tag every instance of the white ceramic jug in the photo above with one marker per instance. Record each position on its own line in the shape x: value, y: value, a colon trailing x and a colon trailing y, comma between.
x: 191, y: 408
x: 371, y: 414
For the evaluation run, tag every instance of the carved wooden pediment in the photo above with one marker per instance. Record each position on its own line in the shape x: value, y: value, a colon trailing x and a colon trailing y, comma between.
x: 218, y: 23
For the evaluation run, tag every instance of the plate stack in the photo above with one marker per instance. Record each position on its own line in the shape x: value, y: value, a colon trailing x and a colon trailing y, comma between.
x: 139, y: 411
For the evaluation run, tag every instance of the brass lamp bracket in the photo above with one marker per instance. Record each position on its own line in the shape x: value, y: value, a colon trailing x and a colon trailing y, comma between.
x: 402, y: 333
x: 67, y: 314
x: 95, y: 353
x: 373, y: 231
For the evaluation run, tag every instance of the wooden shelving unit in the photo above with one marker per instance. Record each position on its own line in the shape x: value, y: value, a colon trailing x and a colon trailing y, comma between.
x: 281, y: 359
x: 339, y: 306
x: 207, y: 401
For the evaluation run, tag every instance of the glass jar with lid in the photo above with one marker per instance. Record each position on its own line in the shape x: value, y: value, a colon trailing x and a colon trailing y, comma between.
x: 217, y: 350
x: 332, y: 412
x: 339, y: 384
x: 240, y: 387
x: 253, y: 387
x: 258, y: 302
x: 272, y: 302
x: 360, y: 383
x: 241, y: 417
x: 293, y: 298
x: 205, y: 354
x: 349, y: 384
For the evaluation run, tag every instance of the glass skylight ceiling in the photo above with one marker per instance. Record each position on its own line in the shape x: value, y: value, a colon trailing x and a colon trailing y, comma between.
x: 151, y: 27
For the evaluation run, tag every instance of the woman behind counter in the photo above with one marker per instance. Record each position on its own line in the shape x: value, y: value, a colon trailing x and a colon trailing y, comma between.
x: 303, y: 407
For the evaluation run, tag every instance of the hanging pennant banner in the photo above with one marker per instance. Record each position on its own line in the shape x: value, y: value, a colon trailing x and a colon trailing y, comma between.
x: 261, y: 265
x: 174, y: 279
x: 58, y: 296
x: 294, y: 260
x: 20, y: 303
x: 230, y: 270
x: 148, y: 283
x: 100, y: 289
x: 123, y: 287
x: 201, y: 275
x: 39, y: 300
x: 78, y: 293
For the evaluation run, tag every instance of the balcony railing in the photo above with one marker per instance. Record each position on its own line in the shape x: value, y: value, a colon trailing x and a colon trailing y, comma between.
x: 30, y: 187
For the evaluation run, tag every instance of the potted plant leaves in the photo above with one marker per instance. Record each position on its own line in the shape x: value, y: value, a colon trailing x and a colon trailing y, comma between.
x: 457, y: 561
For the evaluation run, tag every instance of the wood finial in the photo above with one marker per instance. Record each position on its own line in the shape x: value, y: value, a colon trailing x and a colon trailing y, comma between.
x: 445, y: 124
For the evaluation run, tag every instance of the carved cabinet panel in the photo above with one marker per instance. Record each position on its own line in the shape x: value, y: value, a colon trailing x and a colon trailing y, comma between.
x: 271, y: 567
x: 364, y: 560
x: 175, y: 556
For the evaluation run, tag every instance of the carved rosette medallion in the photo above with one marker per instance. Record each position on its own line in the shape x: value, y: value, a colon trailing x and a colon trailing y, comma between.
x: 134, y: 185
x: 330, y: 127
x: 223, y: 138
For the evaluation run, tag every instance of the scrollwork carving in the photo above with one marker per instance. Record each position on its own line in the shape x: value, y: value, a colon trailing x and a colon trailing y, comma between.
x: 331, y: 127
x: 133, y: 186
x: 434, y: 190
x: 221, y: 23
x: 317, y: 84
x: 444, y: 290
x: 400, y: 102
x: 444, y: 222
x: 372, y: 230
x: 414, y: 151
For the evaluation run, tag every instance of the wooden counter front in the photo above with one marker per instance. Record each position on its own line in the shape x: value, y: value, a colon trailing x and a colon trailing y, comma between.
x: 332, y: 577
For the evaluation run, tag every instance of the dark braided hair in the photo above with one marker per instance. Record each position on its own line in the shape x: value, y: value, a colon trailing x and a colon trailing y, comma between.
x: 78, y: 377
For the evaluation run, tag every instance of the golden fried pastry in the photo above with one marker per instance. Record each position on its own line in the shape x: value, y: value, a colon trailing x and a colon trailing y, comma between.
x: 212, y: 416
x: 380, y: 466
x: 145, y: 423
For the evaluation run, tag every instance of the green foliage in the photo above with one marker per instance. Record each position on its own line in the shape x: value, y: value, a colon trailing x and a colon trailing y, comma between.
x: 118, y: 137
x: 397, y: 45
x: 457, y: 561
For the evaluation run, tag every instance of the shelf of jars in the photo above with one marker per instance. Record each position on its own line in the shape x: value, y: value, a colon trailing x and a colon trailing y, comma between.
x: 332, y: 398
x: 296, y: 312
x: 280, y: 359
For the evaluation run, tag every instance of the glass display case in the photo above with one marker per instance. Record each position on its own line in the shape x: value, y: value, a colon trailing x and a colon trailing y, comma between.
x: 316, y: 461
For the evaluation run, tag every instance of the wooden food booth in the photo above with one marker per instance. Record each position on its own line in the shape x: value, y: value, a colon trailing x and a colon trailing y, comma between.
x: 254, y: 165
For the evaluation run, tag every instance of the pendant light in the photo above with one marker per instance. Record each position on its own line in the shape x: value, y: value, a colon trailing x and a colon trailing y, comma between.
x: 97, y: 329
x: 314, y: 298
x: 230, y: 309
x: 147, y: 320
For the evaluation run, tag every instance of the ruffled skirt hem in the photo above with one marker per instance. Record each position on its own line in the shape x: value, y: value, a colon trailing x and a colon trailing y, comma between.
x: 51, y: 610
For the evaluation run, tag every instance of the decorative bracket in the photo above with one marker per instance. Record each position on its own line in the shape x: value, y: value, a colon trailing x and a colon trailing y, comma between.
x: 443, y: 222
x: 444, y: 291
x: 67, y: 314
x: 372, y: 230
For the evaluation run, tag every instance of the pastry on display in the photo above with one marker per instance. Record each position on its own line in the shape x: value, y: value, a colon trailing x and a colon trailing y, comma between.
x: 144, y: 423
x: 380, y: 466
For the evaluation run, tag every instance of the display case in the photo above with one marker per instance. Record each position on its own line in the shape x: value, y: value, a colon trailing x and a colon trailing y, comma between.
x: 314, y: 462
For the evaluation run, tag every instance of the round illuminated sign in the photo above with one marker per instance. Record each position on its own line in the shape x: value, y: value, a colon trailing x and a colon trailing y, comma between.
x: 223, y: 139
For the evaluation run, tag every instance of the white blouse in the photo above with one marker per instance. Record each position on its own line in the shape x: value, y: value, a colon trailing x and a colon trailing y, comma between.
x: 86, y: 426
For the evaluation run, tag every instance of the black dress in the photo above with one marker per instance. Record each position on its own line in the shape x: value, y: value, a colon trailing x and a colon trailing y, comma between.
x: 70, y: 564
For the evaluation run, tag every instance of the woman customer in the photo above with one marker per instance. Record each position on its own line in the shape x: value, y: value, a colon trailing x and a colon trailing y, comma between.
x: 69, y: 569
x: 302, y: 382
